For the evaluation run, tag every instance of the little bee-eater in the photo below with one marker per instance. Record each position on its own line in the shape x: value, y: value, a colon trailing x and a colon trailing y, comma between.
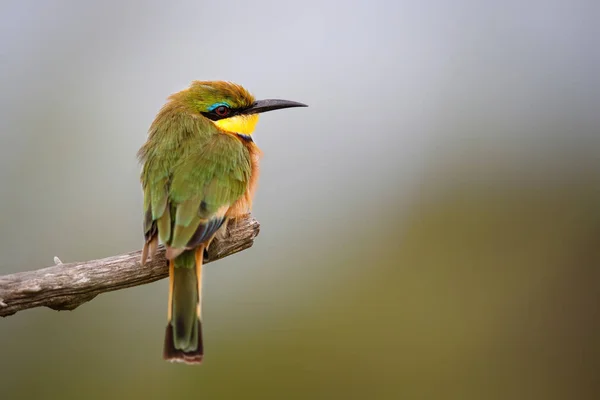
x: 200, y: 169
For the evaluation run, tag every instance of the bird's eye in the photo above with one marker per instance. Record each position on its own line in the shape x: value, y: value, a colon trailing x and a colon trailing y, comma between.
x: 222, y: 111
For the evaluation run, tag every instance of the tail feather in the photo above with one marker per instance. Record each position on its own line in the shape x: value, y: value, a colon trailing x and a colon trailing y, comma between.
x: 170, y: 353
x: 183, y: 336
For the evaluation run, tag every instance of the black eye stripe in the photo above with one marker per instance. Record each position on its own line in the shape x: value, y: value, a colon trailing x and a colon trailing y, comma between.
x: 212, y: 115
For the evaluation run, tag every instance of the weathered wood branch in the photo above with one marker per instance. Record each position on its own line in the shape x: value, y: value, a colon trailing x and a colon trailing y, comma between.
x: 67, y: 286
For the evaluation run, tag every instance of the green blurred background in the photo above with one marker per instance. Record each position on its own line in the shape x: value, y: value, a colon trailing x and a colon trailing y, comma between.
x: 430, y: 224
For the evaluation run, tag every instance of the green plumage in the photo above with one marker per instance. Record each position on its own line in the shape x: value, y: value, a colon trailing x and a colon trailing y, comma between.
x: 197, y: 163
x: 190, y: 171
x: 185, y: 322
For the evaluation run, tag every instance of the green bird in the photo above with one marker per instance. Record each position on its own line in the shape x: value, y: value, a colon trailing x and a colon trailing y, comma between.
x: 200, y: 169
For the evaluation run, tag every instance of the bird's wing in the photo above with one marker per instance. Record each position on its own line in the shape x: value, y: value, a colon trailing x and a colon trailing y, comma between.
x: 156, y: 175
x: 189, y: 206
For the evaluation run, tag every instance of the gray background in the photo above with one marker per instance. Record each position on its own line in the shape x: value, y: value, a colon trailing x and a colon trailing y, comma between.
x: 430, y: 224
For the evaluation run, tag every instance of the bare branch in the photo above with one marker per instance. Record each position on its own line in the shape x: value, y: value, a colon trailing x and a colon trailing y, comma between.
x: 67, y: 286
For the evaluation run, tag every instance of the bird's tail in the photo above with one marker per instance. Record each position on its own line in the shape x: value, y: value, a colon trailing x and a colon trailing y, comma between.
x: 183, y: 337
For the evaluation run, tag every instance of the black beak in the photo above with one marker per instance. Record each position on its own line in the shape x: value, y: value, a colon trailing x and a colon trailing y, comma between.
x: 262, y: 106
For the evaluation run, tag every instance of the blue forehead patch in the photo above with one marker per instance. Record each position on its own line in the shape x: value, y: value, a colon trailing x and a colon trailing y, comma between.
x: 219, y: 104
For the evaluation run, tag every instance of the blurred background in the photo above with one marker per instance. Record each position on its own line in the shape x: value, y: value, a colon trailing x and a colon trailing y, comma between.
x: 430, y: 224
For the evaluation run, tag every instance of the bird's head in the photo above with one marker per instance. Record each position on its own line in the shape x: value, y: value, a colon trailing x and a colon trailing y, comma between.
x: 229, y: 106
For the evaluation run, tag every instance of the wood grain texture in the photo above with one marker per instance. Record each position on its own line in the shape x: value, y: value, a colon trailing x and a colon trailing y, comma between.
x: 67, y: 286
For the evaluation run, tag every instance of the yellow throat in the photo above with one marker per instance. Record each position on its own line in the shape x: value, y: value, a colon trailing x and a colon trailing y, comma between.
x: 243, y: 124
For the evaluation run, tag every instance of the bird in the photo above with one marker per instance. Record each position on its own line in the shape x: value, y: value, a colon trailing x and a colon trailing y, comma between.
x: 200, y: 168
